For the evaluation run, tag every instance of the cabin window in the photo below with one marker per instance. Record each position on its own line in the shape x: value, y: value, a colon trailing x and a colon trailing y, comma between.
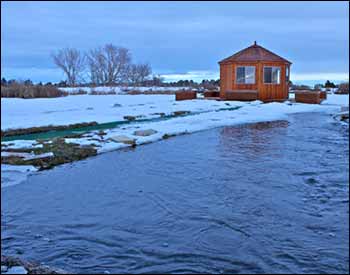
x: 287, y: 74
x: 245, y: 75
x: 272, y: 75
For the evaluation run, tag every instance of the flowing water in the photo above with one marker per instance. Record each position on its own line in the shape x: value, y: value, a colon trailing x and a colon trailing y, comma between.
x: 269, y: 197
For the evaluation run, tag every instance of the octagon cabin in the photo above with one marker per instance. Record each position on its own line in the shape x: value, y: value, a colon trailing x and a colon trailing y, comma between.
x: 254, y: 71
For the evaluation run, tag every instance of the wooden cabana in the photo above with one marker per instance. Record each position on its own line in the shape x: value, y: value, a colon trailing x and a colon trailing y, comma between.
x: 254, y: 73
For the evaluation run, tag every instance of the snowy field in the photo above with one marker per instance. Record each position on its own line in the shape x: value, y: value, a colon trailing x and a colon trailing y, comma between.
x: 119, y: 90
x: 22, y: 113
x: 25, y: 113
x: 205, y: 114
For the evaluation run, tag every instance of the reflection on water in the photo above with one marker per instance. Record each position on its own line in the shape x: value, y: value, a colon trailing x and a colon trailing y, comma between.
x: 271, y: 197
x: 250, y: 137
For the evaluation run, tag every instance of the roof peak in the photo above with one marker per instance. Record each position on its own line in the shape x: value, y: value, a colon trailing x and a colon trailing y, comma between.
x: 254, y: 52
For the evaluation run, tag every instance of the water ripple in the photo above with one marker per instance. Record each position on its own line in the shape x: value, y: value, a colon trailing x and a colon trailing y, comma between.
x: 269, y: 197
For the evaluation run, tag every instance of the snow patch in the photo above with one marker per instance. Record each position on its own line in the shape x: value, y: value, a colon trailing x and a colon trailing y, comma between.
x: 15, y: 174
x: 340, y: 100
x: 21, y: 144
x: 21, y: 113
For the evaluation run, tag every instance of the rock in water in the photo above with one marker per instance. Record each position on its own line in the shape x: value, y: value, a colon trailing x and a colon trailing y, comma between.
x: 145, y: 133
x: 344, y: 116
x: 3, y: 268
x: 16, y: 270
x: 123, y: 139
x: 181, y: 113
x: 130, y: 118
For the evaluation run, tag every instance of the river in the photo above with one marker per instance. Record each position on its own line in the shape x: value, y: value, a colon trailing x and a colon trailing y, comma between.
x: 269, y: 197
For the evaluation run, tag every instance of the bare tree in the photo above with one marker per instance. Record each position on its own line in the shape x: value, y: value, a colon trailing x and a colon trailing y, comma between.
x: 72, y: 62
x: 144, y: 71
x: 97, y: 66
x: 157, y: 80
x: 137, y: 73
x: 132, y: 74
x: 109, y: 65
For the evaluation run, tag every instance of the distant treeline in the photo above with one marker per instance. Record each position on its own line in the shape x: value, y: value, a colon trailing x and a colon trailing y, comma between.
x: 327, y: 84
x: 159, y: 82
x: 154, y: 81
x: 27, y: 89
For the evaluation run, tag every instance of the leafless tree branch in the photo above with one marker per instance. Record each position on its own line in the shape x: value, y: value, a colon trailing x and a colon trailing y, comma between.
x: 71, y: 62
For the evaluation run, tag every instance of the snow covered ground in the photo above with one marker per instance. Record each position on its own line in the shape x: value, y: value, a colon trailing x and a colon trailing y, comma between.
x: 119, y: 90
x: 205, y: 114
x: 24, y: 113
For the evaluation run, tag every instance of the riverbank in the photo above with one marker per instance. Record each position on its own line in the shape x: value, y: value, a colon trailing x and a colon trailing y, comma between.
x: 13, y: 265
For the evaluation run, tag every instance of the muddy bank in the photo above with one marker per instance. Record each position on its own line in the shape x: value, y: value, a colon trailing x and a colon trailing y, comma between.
x: 16, y: 265
x: 60, y: 153
x: 56, y: 151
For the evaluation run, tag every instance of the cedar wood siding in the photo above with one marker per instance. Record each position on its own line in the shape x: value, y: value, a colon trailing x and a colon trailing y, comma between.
x: 266, y: 92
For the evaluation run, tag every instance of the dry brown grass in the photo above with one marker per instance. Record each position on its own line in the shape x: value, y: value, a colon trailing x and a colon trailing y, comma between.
x: 343, y: 88
x: 151, y: 92
x: 31, y: 91
x: 102, y: 93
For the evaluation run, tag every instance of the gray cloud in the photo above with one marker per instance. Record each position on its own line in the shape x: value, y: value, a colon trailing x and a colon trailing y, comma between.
x: 176, y: 36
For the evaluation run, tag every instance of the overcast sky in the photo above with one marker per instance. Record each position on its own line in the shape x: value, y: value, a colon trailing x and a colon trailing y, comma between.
x: 179, y: 39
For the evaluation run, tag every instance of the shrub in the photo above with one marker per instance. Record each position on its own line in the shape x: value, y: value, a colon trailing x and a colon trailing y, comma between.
x: 343, y: 88
x: 31, y: 91
x: 94, y: 92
